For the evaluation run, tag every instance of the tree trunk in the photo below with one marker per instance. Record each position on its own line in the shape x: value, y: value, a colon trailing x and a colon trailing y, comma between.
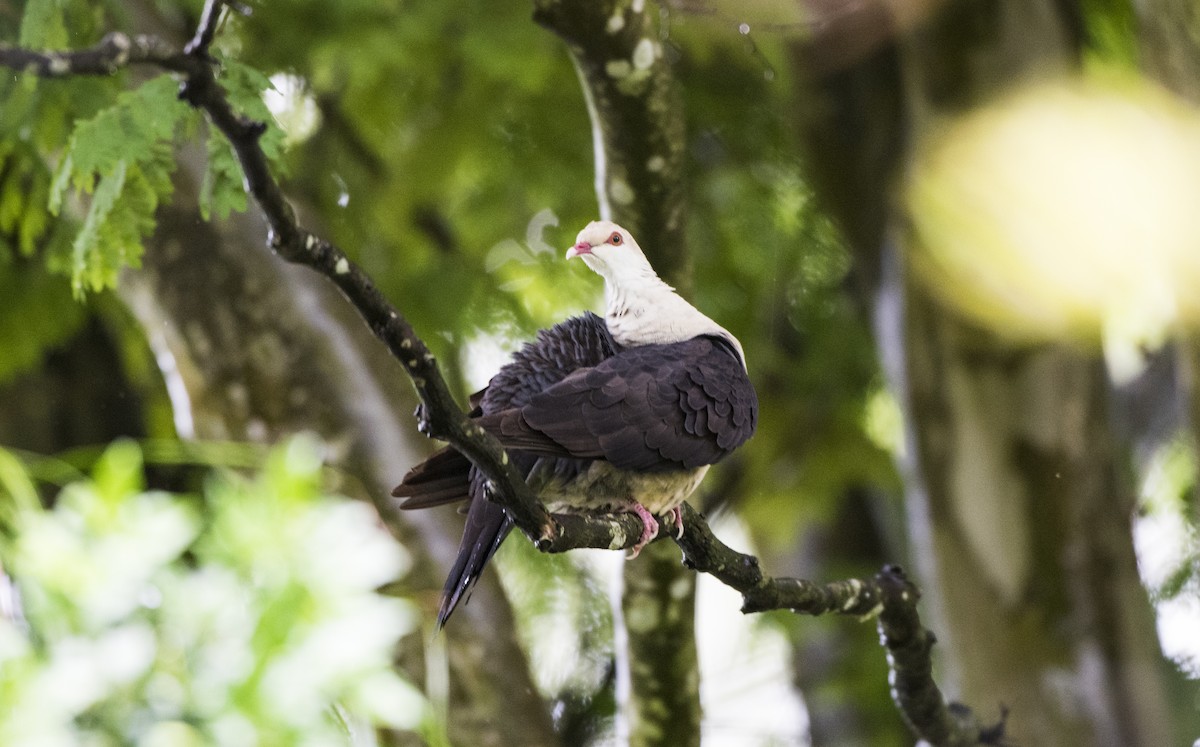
x: 1023, y: 518
x: 638, y: 128
x: 1170, y: 30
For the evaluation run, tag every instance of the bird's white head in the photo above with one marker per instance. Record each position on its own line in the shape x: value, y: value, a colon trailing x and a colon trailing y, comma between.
x: 641, y: 308
x: 612, y: 254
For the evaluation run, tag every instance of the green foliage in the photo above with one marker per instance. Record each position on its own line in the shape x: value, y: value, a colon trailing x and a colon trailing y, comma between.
x: 445, y: 131
x: 221, y: 191
x: 36, y: 314
x: 772, y: 268
x: 24, y: 188
x: 43, y: 26
x: 124, y: 157
x: 247, y: 615
x: 246, y: 86
x: 1110, y: 34
x: 1168, y: 504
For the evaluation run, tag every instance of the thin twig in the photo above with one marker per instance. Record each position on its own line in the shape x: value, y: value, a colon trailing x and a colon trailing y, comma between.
x: 889, y: 597
x: 206, y: 31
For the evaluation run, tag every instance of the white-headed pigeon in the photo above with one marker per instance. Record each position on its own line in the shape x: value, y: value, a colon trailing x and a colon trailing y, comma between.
x: 624, y: 413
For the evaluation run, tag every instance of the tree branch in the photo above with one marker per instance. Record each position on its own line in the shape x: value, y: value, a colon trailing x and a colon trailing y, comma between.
x: 889, y: 595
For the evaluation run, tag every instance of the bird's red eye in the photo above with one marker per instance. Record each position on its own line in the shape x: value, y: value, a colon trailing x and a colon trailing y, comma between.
x: 615, y: 239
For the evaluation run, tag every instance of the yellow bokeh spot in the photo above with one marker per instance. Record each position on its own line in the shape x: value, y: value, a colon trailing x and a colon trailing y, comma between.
x: 1067, y: 210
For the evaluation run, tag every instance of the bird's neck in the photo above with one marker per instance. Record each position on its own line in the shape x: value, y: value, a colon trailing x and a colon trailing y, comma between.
x: 650, y: 312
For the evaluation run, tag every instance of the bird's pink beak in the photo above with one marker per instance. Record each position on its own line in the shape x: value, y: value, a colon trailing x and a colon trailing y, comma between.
x: 581, y: 248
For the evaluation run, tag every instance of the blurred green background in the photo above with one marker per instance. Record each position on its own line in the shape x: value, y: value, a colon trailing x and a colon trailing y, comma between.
x: 960, y: 255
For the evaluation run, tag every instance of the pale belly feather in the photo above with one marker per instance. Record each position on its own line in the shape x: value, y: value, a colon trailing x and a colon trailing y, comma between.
x: 603, y: 488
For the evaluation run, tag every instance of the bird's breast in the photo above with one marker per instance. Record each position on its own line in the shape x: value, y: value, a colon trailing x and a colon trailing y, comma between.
x: 604, y: 488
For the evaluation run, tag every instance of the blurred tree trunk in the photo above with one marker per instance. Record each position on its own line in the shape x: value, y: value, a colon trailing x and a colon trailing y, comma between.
x: 1170, y: 36
x: 838, y: 666
x: 639, y: 130
x: 1018, y: 511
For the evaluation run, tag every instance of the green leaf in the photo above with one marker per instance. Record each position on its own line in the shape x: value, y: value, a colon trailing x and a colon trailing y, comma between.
x: 118, y: 472
x: 245, y: 86
x: 121, y: 213
x: 37, y: 313
x: 42, y: 26
x: 59, y: 187
x: 133, y: 130
x: 221, y: 192
x: 88, y: 264
x: 124, y: 155
x: 24, y: 186
x: 17, y: 491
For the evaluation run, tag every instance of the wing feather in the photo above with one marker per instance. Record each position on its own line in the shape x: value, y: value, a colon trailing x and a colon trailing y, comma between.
x: 649, y: 408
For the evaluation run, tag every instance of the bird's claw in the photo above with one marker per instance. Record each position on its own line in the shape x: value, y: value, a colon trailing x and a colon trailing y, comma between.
x: 677, y: 519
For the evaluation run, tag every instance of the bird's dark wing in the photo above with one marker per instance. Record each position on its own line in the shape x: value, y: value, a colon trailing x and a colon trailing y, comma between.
x: 649, y: 408
x: 558, y: 352
x: 580, y: 342
x: 448, y: 476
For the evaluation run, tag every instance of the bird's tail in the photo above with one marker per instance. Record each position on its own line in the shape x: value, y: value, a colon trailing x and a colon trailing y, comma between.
x: 446, y: 477
x: 487, y: 526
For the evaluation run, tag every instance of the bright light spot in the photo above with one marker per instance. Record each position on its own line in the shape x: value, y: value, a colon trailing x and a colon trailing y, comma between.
x: 644, y: 54
x: 883, y: 421
x: 746, y: 672
x: 1165, y: 542
x: 293, y: 107
x: 482, y: 354
x: 1066, y: 211
x: 343, y: 198
x: 177, y: 393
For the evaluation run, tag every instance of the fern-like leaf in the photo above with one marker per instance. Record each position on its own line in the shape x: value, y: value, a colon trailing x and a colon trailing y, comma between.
x: 245, y: 86
x: 221, y: 191
x: 124, y: 157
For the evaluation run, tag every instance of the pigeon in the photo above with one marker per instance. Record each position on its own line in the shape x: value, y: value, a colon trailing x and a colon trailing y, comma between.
x: 623, y: 413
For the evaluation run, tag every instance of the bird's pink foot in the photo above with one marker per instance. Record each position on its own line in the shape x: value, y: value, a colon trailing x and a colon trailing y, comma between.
x: 649, y: 528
